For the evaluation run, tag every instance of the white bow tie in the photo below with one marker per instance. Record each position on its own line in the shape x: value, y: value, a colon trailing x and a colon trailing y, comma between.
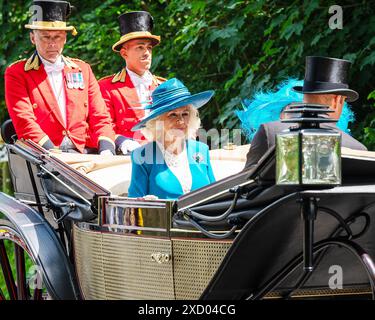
x: 58, y: 66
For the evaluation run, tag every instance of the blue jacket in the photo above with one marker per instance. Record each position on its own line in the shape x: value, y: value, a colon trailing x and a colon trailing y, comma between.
x: 151, y: 175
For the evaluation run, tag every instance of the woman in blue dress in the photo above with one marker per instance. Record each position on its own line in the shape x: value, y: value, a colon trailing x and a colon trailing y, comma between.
x: 174, y: 163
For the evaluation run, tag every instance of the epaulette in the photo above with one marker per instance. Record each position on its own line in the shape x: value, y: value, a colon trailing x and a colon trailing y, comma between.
x: 106, y: 77
x: 15, y: 62
x: 70, y: 62
x: 159, y: 80
x: 119, y: 76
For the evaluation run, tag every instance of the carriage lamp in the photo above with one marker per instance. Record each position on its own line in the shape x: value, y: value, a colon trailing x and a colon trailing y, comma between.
x: 307, y: 154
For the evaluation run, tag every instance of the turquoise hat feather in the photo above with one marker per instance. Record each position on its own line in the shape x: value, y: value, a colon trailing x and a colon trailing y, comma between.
x: 265, y: 107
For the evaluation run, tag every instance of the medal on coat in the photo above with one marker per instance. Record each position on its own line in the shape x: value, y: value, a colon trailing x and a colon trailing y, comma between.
x: 81, y: 82
x: 75, y: 80
x: 69, y: 80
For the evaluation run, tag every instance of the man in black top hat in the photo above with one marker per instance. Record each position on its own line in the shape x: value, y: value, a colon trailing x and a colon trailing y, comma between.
x: 52, y: 99
x: 129, y: 91
x: 325, y: 83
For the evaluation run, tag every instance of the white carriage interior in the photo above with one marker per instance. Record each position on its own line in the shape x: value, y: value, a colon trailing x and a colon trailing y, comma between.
x: 114, y: 172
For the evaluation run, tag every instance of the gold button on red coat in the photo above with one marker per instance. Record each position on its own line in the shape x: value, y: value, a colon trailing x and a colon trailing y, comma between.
x: 35, y: 106
x: 64, y: 133
x: 120, y: 111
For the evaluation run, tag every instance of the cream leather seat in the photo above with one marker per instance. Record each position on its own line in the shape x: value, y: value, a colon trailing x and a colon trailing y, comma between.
x: 114, y: 172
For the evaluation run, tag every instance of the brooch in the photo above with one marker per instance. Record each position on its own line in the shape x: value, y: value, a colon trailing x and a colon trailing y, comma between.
x: 198, y: 157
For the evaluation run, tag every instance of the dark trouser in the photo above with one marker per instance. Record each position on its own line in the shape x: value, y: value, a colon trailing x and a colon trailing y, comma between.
x: 68, y: 146
x: 85, y: 151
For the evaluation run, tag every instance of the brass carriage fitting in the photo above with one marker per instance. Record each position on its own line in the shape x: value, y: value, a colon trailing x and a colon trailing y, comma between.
x: 230, y: 146
x: 161, y: 257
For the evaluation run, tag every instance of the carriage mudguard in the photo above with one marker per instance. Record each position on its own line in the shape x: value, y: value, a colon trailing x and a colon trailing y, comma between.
x: 45, y: 247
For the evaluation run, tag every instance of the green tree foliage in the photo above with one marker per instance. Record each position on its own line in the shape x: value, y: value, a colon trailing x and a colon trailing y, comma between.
x: 235, y: 47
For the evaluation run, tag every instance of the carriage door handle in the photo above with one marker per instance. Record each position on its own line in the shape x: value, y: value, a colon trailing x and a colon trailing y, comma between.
x: 160, y: 257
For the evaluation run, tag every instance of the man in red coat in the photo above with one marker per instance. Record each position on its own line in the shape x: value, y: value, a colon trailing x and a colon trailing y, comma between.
x: 128, y: 92
x: 54, y: 100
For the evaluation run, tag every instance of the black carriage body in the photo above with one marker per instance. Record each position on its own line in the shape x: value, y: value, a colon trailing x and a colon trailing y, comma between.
x: 152, y: 249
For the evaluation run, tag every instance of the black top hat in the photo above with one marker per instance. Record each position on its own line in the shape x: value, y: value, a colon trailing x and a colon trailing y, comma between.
x: 134, y: 25
x: 50, y: 15
x: 325, y: 75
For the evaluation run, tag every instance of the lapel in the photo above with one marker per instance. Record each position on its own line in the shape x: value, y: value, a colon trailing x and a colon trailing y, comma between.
x: 162, y: 167
x: 196, y: 158
x: 72, y: 95
x: 37, y: 73
x: 192, y: 163
x: 197, y: 165
x: 130, y: 96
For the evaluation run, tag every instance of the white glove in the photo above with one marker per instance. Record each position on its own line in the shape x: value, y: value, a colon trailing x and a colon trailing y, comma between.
x: 106, y: 153
x: 128, y: 146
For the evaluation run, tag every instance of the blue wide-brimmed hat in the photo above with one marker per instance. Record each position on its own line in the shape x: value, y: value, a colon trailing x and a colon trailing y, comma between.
x: 170, y: 95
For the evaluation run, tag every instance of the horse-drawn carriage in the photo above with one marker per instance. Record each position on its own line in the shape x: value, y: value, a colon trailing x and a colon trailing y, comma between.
x: 243, y: 237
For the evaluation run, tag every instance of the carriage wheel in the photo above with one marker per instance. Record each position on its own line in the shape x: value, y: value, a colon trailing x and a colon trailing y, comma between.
x: 20, y: 277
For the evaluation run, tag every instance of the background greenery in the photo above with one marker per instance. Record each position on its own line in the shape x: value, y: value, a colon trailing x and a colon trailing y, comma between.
x: 235, y: 47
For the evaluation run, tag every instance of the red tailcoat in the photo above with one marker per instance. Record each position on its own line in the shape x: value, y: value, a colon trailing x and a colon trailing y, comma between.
x: 35, y: 112
x: 123, y: 102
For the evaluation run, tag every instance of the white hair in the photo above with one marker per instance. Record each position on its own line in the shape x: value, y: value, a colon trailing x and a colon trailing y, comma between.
x: 152, y: 130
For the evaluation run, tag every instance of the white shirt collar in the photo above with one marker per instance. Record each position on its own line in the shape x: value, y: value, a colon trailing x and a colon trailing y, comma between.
x: 145, y: 79
x: 57, y: 66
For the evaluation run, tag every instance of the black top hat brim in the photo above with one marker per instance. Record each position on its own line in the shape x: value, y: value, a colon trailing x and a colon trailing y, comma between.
x: 155, y: 40
x: 350, y: 94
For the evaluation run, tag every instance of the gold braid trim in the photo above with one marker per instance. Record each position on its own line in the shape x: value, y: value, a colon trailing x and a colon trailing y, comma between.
x: 15, y: 62
x: 33, y: 63
x: 69, y: 62
x: 159, y: 80
x: 119, y: 76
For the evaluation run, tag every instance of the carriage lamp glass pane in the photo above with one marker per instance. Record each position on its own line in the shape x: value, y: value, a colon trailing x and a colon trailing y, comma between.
x: 287, y: 158
x: 321, y: 159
